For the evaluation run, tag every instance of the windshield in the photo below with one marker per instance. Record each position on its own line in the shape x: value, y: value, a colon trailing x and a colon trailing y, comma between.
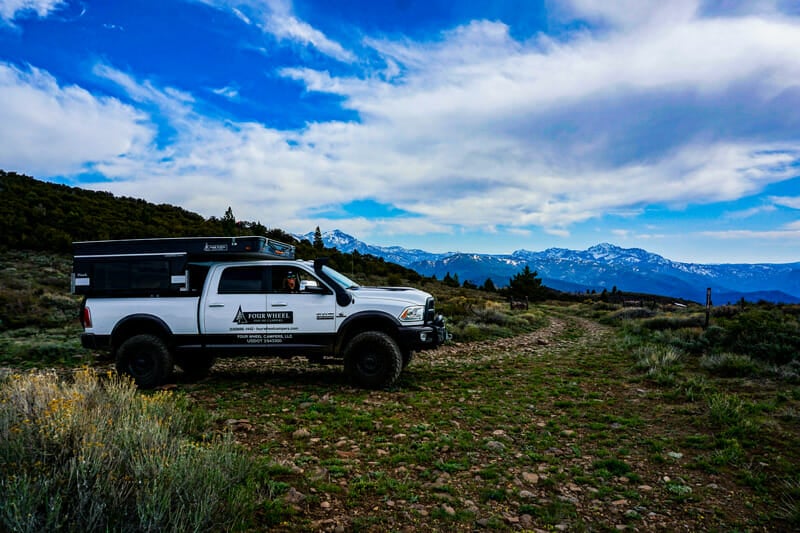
x: 339, y: 278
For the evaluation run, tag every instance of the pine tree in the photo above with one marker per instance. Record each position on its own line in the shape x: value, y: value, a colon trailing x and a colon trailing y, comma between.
x: 318, y: 244
x: 229, y: 222
x: 526, y: 284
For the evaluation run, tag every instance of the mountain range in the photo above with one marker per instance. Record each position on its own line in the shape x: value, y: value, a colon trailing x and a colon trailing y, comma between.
x: 603, y: 266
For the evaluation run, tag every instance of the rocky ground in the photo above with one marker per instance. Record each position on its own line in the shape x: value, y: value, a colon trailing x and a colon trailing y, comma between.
x: 545, y: 431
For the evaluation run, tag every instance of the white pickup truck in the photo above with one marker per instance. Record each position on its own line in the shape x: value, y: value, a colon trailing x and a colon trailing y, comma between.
x: 158, y: 302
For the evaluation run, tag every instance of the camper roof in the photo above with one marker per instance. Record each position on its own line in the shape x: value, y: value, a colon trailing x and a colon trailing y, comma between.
x: 195, y: 248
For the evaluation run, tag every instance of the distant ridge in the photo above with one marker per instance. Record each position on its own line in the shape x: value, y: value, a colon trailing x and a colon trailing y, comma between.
x: 600, y: 267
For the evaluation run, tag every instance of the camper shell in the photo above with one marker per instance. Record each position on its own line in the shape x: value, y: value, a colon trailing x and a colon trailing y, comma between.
x: 160, y: 267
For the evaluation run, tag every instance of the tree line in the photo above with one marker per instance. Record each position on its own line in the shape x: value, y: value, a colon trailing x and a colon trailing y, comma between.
x: 49, y: 217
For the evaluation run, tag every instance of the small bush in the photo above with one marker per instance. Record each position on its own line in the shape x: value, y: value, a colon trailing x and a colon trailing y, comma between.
x: 730, y: 365
x: 689, y: 340
x: 35, y: 348
x: 789, y: 508
x: 96, y: 456
x: 629, y: 313
x: 674, y: 322
x: 653, y: 358
x: 726, y: 410
x: 789, y: 372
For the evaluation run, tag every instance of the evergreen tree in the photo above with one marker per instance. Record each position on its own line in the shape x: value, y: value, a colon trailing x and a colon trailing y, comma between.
x: 488, y: 285
x: 451, y: 281
x: 229, y: 222
x: 318, y: 244
x: 526, y: 284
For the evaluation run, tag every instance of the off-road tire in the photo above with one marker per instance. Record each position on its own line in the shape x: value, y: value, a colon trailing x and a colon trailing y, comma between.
x: 373, y: 360
x: 408, y: 356
x: 146, y: 359
x: 195, y: 366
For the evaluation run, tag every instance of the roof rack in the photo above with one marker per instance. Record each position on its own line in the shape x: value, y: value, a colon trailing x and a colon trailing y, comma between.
x: 195, y: 248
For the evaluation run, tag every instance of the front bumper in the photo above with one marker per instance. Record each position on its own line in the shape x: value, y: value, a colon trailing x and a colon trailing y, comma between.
x: 425, y: 337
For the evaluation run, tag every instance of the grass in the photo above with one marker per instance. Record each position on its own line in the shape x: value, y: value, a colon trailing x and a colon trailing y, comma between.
x: 575, y: 433
x: 536, y: 419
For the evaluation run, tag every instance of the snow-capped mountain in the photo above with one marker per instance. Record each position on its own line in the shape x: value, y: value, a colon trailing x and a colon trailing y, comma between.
x: 603, y: 266
x: 347, y: 243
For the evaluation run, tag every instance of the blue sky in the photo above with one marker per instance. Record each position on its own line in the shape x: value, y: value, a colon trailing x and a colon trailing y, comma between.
x: 483, y: 126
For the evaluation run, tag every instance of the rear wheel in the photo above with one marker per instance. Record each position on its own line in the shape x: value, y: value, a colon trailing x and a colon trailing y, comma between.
x: 146, y: 359
x: 373, y: 360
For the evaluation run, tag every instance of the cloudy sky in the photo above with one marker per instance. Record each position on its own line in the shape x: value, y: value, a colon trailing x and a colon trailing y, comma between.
x: 474, y: 126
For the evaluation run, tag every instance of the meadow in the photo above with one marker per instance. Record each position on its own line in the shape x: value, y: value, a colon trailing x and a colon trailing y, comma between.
x: 578, y: 414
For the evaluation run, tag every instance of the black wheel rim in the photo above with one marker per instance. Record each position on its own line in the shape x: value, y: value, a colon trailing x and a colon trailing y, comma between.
x: 369, y: 363
x: 141, y: 365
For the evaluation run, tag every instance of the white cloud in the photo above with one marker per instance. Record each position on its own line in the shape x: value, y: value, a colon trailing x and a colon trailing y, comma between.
x: 748, y: 213
x: 231, y: 93
x: 51, y: 129
x: 557, y: 133
x: 277, y: 18
x: 792, y: 202
x: 790, y: 232
x: 292, y: 29
x: 634, y: 13
x: 473, y: 128
x: 11, y: 9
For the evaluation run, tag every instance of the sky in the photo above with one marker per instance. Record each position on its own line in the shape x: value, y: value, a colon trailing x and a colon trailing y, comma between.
x: 445, y: 125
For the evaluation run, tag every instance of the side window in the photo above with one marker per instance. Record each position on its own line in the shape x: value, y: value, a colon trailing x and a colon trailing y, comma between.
x: 243, y: 279
x: 111, y: 276
x: 131, y: 275
x: 286, y: 280
x: 150, y: 275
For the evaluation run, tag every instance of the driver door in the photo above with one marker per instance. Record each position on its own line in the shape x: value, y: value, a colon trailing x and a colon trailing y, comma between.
x: 300, y: 315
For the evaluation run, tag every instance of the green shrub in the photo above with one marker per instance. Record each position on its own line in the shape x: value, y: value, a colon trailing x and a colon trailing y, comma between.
x: 768, y: 335
x: 726, y: 410
x: 789, y: 508
x: 689, y: 340
x: 653, y: 358
x: 674, y: 322
x: 730, y: 365
x: 96, y: 455
x: 30, y: 347
x: 789, y: 372
x: 629, y: 313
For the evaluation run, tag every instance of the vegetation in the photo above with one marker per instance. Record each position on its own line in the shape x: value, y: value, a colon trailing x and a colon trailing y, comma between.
x: 93, y: 455
x: 580, y: 412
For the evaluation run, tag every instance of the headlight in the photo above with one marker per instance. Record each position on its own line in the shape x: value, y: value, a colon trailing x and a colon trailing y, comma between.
x: 412, y: 314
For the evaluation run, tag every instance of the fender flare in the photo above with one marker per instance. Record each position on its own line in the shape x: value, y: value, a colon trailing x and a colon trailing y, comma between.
x: 139, y: 323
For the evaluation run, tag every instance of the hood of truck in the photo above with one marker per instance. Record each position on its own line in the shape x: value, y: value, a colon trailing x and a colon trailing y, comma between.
x: 404, y: 295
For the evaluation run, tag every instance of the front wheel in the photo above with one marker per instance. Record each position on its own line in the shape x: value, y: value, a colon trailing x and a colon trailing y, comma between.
x: 408, y: 356
x: 373, y: 360
x: 146, y: 359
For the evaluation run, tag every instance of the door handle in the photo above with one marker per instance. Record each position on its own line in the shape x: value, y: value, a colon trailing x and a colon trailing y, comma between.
x: 216, y: 305
x: 279, y: 304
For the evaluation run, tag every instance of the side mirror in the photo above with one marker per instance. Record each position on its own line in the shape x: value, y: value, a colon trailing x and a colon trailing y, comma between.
x: 312, y: 287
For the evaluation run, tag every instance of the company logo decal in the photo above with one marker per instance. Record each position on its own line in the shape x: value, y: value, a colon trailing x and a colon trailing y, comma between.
x: 324, y: 316
x: 263, y: 317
